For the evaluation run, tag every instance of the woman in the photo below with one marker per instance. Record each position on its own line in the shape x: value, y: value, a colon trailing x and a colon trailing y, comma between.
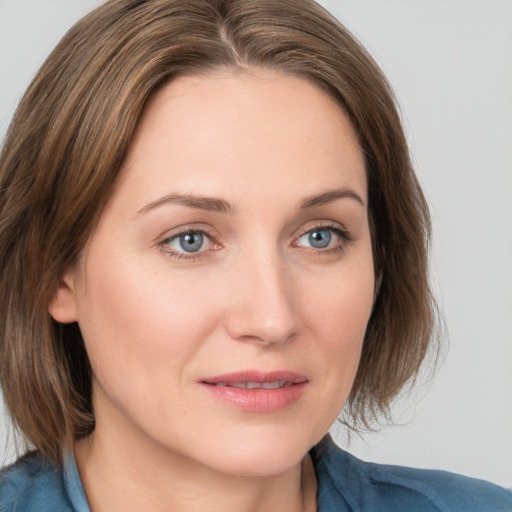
x: 212, y: 240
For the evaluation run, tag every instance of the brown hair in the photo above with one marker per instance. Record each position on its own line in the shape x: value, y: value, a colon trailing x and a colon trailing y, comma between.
x: 65, y: 146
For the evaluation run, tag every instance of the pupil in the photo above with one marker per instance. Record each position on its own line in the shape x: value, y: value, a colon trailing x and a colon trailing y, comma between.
x: 320, y: 239
x: 191, y: 242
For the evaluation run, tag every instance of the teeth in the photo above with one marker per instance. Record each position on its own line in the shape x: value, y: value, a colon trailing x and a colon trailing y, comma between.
x: 273, y: 385
x: 256, y: 385
x: 241, y: 385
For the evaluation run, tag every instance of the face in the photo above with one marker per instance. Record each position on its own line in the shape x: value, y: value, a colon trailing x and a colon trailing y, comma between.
x: 224, y: 295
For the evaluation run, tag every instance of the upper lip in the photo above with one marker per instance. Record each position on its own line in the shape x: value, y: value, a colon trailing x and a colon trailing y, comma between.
x: 256, y: 376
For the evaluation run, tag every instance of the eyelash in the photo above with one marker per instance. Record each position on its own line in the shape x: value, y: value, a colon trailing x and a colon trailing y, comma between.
x: 345, y: 239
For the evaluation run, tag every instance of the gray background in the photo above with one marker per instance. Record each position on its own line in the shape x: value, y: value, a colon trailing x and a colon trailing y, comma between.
x: 450, y: 62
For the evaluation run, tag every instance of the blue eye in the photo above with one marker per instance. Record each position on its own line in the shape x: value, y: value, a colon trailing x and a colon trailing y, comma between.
x: 319, y: 238
x: 189, y: 242
x: 324, y: 237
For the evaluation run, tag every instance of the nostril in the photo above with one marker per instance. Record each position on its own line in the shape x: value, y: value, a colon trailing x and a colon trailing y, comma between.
x: 267, y: 338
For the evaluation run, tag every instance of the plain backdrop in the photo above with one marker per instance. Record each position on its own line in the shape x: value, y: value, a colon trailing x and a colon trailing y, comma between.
x: 450, y: 62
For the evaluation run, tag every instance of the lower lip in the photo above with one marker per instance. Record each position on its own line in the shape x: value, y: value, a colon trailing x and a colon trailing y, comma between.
x: 259, y: 400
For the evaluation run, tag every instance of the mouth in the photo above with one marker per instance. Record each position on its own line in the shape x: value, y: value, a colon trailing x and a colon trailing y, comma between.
x: 256, y: 391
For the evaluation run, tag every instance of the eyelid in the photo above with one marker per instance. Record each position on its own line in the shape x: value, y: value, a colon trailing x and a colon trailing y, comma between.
x: 192, y: 227
x: 328, y: 225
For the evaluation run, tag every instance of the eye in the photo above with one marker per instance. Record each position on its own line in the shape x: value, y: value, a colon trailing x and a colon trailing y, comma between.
x: 188, y: 242
x: 323, y: 238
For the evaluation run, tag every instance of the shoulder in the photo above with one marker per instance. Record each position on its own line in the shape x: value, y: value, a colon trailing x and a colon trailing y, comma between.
x: 369, y: 487
x: 33, y: 484
x: 444, y: 490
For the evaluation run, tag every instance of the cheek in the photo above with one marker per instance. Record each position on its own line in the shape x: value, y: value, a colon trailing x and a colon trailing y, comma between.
x: 136, y: 321
x: 337, y: 315
x: 339, y: 304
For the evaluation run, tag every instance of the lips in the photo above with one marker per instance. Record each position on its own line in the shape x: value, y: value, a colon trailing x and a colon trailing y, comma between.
x: 257, y: 391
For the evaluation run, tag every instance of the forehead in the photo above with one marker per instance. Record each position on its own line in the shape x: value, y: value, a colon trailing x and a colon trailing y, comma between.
x: 247, y: 128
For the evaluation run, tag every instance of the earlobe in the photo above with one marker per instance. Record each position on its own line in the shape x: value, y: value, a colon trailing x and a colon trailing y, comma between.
x: 63, y: 306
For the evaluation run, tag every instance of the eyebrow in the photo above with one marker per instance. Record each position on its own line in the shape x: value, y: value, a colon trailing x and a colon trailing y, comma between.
x: 329, y: 197
x: 210, y: 204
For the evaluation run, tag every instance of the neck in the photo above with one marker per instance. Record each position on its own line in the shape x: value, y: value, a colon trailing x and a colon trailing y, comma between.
x: 120, y: 477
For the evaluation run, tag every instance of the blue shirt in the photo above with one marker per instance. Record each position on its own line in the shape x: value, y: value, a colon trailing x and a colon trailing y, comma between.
x: 345, y: 484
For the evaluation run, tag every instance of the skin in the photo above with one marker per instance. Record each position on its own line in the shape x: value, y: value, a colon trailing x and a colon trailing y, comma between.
x: 257, y: 295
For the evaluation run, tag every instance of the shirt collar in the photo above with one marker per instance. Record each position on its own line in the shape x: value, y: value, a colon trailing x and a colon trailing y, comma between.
x: 74, y: 486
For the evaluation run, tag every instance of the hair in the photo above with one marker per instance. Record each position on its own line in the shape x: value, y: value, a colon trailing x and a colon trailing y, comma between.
x: 63, y: 153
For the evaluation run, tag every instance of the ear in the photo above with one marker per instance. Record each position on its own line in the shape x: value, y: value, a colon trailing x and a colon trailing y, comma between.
x: 63, y: 305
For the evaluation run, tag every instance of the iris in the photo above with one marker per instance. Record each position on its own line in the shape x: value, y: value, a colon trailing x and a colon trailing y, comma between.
x: 320, y: 238
x: 191, y: 242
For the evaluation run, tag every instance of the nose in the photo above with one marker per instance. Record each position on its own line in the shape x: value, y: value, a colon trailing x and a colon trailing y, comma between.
x: 262, y: 307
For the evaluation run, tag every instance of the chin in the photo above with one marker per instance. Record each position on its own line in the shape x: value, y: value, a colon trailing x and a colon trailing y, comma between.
x: 252, y: 454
